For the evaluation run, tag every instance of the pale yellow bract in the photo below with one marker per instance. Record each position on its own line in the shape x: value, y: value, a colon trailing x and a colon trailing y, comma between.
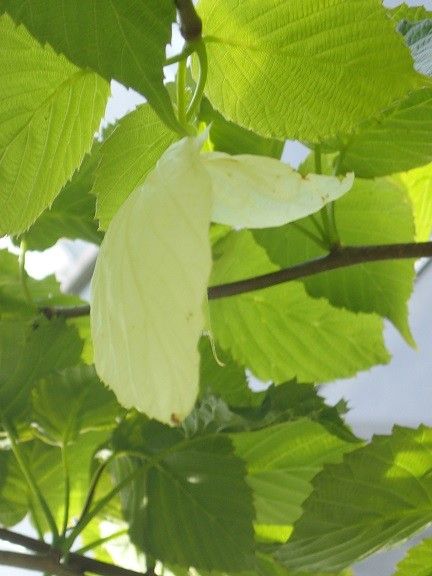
x: 149, y: 287
x: 259, y: 192
x: 150, y: 281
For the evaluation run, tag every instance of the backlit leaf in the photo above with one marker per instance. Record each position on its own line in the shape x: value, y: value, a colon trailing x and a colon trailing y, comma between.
x: 303, y: 69
x: 49, y: 112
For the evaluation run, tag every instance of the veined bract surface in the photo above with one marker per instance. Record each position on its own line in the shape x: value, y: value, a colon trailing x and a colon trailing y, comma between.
x: 149, y: 288
x: 260, y: 192
x: 150, y: 281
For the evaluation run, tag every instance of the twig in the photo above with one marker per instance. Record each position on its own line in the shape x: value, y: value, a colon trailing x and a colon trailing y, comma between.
x: 49, y: 559
x: 342, y: 257
x: 46, y: 564
x: 339, y: 258
x: 190, y: 22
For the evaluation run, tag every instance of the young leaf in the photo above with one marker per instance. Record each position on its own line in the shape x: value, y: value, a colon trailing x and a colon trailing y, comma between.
x: 260, y: 192
x: 377, y: 497
x: 281, y: 461
x: 123, y: 40
x: 281, y: 333
x: 126, y: 157
x: 292, y: 69
x: 49, y: 112
x: 374, y: 212
x: 418, y: 561
x: 149, y: 288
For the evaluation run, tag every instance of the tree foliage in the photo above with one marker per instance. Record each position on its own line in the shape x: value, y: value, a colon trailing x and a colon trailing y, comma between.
x: 134, y: 419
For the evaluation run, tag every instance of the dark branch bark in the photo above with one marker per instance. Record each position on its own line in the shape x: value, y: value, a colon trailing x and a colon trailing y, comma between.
x: 339, y: 258
x: 49, y: 559
x: 190, y: 22
x: 46, y: 564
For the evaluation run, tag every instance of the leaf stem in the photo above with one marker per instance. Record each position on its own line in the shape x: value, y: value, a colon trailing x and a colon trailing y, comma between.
x: 181, y: 92
x: 31, y: 482
x: 23, y: 272
x: 100, y: 541
x: 183, y: 55
x: 327, y: 212
x: 315, y: 239
x: 201, y: 51
x: 89, y: 514
x: 66, y: 490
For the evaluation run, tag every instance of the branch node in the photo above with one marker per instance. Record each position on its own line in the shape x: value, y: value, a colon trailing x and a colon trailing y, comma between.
x: 190, y: 22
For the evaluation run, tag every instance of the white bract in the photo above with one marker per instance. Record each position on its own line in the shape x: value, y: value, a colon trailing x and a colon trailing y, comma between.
x: 149, y: 288
x: 259, y: 192
x: 149, y: 285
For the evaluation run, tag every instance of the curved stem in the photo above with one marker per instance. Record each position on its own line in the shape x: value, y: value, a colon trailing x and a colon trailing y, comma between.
x: 201, y: 52
x: 181, y: 92
x: 100, y: 541
x: 327, y: 212
x: 315, y: 239
x: 66, y: 489
x: 100, y: 504
x: 23, y: 273
x: 183, y: 55
x: 31, y: 482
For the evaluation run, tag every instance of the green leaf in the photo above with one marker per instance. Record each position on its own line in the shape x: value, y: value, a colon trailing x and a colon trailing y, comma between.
x: 231, y: 138
x: 72, y: 214
x: 13, y: 300
x: 281, y: 461
x: 418, y: 561
x: 46, y: 465
x: 49, y: 112
x: 412, y: 13
x: 292, y: 69
x: 200, y: 487
x: 29, y: 352
x: 13, y: 508
x: 292, y: 401
x: 123, y: 40
x: 373, y: 212
x: 419, y: 39
x: 73, y: 402
x: 225, y: 378
x: 150, y: 285
x: 397, y: 140
x: 127, y: 156
x: 262, y: 329
x: 418, y: 184
x: 377, y: 497
x: 198, y: 508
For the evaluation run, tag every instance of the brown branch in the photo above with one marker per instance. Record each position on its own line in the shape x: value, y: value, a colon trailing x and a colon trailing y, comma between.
x: 190, y: 22
x: 49, y: 559
x: 342, y: 257
x: 46, y: 564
